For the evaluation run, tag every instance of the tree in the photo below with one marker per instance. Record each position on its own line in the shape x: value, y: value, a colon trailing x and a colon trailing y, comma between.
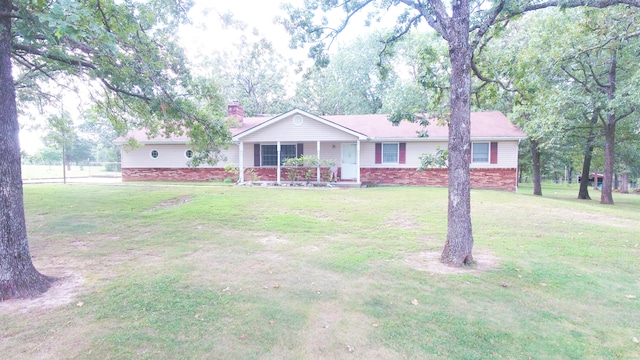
x: 126, y: 57
x: 462, y: 25
x: 251, y: 71
x: 61, y: 135
x: 351, y: 82
x: 570, y: 70
x: 424, y: 57
x: 517, y: 72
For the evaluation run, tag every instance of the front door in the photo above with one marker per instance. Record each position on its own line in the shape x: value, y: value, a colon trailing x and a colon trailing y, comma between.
x: 349, y: 164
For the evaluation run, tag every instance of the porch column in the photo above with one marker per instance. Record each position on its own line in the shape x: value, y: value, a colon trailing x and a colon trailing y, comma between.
x: 318, y: 172
x: 358, y: 161
x: 278, y: 171
x: 241, y: 162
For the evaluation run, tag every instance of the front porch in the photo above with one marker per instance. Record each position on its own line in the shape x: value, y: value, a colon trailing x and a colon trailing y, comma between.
x: 270, y: 159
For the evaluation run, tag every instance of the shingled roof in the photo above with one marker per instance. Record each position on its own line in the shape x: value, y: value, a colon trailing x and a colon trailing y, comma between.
x: 484, y: 125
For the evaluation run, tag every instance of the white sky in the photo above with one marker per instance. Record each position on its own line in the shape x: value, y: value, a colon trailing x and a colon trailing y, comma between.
x: 207, y: 35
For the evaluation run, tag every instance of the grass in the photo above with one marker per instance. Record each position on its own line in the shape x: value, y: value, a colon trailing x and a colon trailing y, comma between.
x: 271, y: 273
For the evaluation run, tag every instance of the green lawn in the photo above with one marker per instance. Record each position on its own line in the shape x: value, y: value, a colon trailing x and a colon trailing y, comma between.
x: 206, y: 272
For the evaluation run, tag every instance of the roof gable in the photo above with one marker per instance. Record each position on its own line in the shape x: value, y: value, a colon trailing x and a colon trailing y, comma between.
x: 298, y: 119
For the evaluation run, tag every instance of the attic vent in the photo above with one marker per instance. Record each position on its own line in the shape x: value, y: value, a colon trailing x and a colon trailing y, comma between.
x: 298, y: 120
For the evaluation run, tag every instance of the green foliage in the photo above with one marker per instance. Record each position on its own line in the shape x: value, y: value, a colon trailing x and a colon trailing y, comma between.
x: 125, y: 56
x: 233, y: 169
x: 62, y: 133
x: 552, y: 70
x: 350, y: 82
x: 251, y: 72
x: 435, y: 160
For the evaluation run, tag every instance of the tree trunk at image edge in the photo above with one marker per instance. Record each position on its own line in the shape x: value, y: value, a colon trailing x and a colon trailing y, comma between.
x: 537, y: 181
x: 18, y: 277
x: 457, y: 249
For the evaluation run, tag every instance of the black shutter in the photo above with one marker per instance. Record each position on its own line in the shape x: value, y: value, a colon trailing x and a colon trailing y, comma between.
x: 299, y: 151
x: 256, y: 154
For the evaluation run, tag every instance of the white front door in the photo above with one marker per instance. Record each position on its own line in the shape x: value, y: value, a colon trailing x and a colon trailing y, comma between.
x: 349, y: 164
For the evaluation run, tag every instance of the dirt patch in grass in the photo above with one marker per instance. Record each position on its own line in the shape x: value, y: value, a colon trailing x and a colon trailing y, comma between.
x: 272, y: 240
x: 430, y: 261
x: 61, y: 293
x: 169, y: 203
x: 401, y: 222
x: 333, y: 333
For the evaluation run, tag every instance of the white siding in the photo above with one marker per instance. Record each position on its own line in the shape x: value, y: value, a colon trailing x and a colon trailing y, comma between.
x: 414, y: 150
x: 172, y: 156
x: 169, y: 156
x: 507, y: 156
x: 285, y: 131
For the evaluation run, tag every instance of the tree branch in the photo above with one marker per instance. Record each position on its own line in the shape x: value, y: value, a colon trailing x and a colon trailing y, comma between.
x: 434, y: 13
x: 78, y: 62
x: 484, y: 27
x: 104, y: 17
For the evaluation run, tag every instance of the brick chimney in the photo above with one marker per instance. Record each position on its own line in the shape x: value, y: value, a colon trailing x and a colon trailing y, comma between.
x: 236, y: 111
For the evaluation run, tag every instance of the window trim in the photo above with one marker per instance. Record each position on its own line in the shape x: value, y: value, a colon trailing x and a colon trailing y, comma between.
x: 186, y: 152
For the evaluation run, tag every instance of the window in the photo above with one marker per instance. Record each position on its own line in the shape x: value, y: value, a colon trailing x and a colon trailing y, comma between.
x: 287, y: 152
x: 390, y: 153
x: 480, y: 152
x: 154, y: 154
x: 269, y: 154
x: 188, y: 154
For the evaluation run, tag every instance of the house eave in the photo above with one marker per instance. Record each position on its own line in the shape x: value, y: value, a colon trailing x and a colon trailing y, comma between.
x: 153, y: 142
x: 238, y: 137
x: 488, y: 138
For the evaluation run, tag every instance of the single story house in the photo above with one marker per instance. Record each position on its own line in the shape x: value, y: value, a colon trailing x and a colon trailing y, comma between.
x: 367, y: 149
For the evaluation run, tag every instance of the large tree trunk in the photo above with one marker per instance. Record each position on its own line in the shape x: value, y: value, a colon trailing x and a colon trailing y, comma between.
x: 18, y: 277
x: 606, y: 196
x: 457, y: 249
x: 537, y: 181
x: 624, y: 182
x: 583, y: 193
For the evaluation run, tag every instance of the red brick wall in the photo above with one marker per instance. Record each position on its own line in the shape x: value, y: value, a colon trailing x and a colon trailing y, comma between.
x: 171, y: 174
x: 496, y: 179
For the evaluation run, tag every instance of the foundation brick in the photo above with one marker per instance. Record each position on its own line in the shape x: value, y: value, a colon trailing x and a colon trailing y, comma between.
x: 494, y: 179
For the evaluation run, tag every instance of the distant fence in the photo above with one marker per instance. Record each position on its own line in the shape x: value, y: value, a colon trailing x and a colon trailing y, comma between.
x: 81, y: 170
